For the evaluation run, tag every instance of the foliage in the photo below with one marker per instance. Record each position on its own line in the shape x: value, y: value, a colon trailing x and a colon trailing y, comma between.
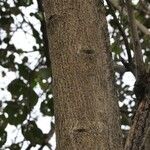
x: 33, y: 74
x: 123, y: 55
x: 29, y: 77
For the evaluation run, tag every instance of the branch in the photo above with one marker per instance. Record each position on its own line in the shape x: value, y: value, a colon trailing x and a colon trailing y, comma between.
x: 120, y: 69
x: 140, y: 126
x: 49, y: 146
x: 29, y: 146
x: 129, y: 66
x: 44, y: 32
x: 139, y: 25
x: 50, y: 134
x: 121, y: 31
x: 135, y: 39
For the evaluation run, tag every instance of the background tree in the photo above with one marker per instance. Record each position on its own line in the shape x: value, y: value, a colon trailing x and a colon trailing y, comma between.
x: 29, y: 89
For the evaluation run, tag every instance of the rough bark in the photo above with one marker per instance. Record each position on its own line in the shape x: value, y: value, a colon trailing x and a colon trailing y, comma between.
x: 86, y: 109
x: 147, y: 140
x: 139, y: 129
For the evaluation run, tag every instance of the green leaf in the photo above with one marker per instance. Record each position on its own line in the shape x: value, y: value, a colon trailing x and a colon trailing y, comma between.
x: 3, y: 137
x: 28, y: 2
x: 36, y: 34
x: 15, y: 11
x: 11, y: 58
x: 6, y: 40
x: 3, y: 122
x: 25, y: 59
x: 47, y: 107
x: 16, y: 87
x: 24, y: 71
x: 115, y: 48
x: 4, y: 21
x: 3, y: 74
x: 44, y: 73
x: 17, y: 112
x: 24, y: 2
x: 124, y: 120
x: 15, y: 147
x: 32, y: 133
x: 30, y: 98
x: 38, y: 15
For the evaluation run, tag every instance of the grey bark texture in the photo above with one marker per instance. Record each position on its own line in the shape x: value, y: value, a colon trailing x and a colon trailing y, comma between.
x: 86, y: 109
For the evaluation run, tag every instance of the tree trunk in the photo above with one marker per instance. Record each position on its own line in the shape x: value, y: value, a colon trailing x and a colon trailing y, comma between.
x: 86, y: 109
x: 147, y: 142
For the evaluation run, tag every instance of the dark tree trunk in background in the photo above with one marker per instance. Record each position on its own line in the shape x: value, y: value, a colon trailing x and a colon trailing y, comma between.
x: 86, y: 112
x: 147, y: 138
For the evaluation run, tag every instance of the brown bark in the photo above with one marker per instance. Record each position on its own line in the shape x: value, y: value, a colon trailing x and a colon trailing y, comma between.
x: 139, y: 129
x: 147, y: 140
x: 86, y: 110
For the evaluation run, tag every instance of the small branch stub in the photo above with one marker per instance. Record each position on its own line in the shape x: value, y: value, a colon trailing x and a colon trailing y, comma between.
x: 88, y: 54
